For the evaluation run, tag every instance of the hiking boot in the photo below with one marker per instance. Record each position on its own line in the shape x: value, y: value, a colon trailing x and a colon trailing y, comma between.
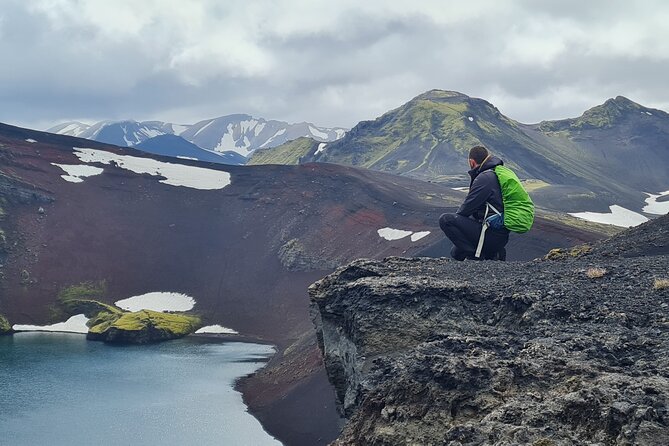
x: 501, y: 255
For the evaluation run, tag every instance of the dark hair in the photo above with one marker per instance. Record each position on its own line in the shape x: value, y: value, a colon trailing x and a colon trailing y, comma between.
x: 478, y: 154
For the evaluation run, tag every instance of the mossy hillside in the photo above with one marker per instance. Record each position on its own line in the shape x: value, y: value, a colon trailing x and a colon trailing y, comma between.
x: 602, y: 116
x: 404, y: 138
x: 82, y: 298
x: 288, y: 153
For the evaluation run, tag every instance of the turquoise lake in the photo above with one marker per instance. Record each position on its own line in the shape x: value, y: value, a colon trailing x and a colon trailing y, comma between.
x: 59, y: 389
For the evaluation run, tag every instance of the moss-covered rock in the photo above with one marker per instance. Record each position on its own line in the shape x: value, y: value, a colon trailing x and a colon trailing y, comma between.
x: 5, y: 326
x: 141, y: 327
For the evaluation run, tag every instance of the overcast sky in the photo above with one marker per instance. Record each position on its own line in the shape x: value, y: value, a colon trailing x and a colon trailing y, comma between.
x: 332, y: 63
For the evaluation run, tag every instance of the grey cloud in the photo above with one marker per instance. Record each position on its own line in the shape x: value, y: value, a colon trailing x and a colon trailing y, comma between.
x: 355, y: 68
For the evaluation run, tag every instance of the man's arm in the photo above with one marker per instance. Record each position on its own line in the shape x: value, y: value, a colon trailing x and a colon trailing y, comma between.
x: 479, y: 193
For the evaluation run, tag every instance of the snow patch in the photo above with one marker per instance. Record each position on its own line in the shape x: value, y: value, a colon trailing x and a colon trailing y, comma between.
x: 419, y: 235
x: 652, y: 205
x: 460, y: 188
x: 318, y: 133
x: 216, y: 329
x: 247, y: 125
x: 258, y: 128
x: 321, y: 148
x: 277, y: 134
x: 157, y: 301
x: 619, y: 216
x: 181, y: 157
x: 470, y: 118
x: 179, y: 129
x: 77, y: 172
x: 393, y: 234
x: 649, y: 113
x: 75, y: 324
x: 175, y: 174
x: 149, y: 133
x: 71, y: 130
x: 339, y: 133
x: 30, y: 140
x: 202, y: 128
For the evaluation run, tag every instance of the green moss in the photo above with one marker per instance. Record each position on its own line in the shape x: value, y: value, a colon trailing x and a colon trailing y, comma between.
x: 81, y: 298
x: 288, y: 153
x: 5, y: 326
x: 102, y: 321
x: 576, y: 251
x: 83, y: 290
x: 142, y: 326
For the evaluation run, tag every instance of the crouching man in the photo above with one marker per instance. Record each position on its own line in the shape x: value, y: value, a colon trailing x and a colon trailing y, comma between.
x: 464, y: 227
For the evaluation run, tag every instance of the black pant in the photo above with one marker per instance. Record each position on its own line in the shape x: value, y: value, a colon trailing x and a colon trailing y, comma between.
x: 464, y: 232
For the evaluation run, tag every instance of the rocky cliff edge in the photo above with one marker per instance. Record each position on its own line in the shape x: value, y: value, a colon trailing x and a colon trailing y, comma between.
x: 572, y: 349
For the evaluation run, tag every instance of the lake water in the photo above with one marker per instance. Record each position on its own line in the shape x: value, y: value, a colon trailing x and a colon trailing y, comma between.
x: 59, y: 389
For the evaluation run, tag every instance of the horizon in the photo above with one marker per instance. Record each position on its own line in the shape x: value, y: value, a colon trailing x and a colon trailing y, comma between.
x: 111, y: 121
x: 332, y: 65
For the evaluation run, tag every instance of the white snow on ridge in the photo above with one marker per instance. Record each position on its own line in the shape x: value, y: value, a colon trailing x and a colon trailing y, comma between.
x: 175, y: 174
x: 649, y: 113
x: 75, y: 324
x: 157, y: 301
x: 321, y: 148
x: 30, y: 140
x: 655, y: 207
x: 471, y: 119
x: 460, y: 188
x: 318, y: 132
x: 258, y: 128
x: 187, y: 158
x: 202, y: 128
x: 178, y: 129
x: 77, y: 172
x: 619, y: 216
x: 340, y: 133
x: 216, y: 329
x: 277, y: 134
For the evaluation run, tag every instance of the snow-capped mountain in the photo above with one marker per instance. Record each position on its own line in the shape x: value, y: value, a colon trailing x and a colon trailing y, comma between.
x: 244, y: 134
x: 238, y: 133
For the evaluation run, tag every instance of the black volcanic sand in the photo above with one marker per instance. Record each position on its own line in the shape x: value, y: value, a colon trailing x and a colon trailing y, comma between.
x: 572, y: 350
x: 222, y: 247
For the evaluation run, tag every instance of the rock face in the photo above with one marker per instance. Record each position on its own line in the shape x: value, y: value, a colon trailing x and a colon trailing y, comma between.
x: 550, y: 352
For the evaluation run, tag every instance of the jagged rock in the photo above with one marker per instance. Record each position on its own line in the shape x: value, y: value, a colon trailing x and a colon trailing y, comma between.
x: 431, y: 351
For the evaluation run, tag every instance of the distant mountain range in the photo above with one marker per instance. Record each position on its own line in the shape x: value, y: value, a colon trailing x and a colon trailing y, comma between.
x: 237, y: 133
x: 611, y: 154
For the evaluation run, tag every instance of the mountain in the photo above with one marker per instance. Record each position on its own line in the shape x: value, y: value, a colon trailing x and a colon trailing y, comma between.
x: 237, y: 133
x: 244, y: 241
x: 612, y: 154
x: 176, y: 146
x: 570, y: 350
x: 244, y: 134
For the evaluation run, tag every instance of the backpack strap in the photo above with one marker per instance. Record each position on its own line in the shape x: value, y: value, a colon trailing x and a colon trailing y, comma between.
x: 484, y: 228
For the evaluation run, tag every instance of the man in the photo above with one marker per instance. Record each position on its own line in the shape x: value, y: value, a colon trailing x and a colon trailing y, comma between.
x: 464, y: 227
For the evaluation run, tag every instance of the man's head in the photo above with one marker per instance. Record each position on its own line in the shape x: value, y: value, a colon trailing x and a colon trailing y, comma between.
x: 477, y: 155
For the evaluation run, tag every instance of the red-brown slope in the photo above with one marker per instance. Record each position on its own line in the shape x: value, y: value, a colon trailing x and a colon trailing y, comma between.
x: 221, y: 247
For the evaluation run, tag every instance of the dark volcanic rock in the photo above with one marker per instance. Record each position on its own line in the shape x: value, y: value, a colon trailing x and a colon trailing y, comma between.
x: 571, y: 351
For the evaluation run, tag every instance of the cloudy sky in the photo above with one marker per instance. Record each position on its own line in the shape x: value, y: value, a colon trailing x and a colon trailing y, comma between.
x: 333, y: 63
